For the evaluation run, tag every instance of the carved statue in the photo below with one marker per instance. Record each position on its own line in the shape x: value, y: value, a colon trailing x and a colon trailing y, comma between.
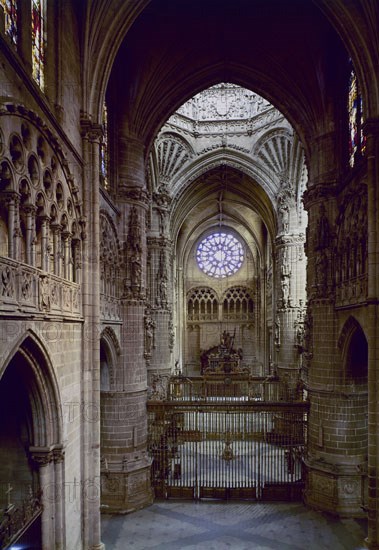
x: 284, y: 215
x: 307, y: 333
x: 135, y: 270
x: 163, y: 218
x: 134, y: 236
x: 163, y: 292
x: 7, y: 282
x: 44, y: 293
x: 226, y: 339
x: 285, y: 291
x: 149, y: 335
x: 171, y: 336
x: 277, y: 332
x: 321, y: 272
x: 323, y: 229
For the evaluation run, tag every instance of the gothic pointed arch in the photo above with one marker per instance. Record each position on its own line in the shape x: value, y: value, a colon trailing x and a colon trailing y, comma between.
x: 202, y: 304
x: 110, y: 256
x: 238, y: 304
x: 109, y: 356
x: 31, y: 438
x: 354, y: 350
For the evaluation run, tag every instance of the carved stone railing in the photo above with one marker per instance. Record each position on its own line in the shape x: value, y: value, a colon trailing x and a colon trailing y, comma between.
x: 220, y: 388
x: 16, y: 518
x: 28, y: 289
x: 352, y: 292
x: 109, y: 308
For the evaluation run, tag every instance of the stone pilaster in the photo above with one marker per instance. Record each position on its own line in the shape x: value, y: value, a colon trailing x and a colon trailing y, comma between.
x: 372, y: 153
x: 91, y: 352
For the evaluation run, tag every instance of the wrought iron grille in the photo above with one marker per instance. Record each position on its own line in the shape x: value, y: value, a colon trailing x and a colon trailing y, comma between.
x: 227, y: 448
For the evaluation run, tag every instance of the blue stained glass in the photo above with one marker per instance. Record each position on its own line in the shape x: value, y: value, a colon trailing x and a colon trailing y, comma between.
x: 220, y: 255
x: 38, y: 41
x: 104, y: 149
x: 355, y: 112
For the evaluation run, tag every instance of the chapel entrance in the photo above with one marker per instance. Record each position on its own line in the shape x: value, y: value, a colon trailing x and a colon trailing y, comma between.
x: 227, y: 437
x: 20, y: 502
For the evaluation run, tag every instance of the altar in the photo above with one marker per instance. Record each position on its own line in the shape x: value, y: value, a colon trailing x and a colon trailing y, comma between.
x: 222, y: 359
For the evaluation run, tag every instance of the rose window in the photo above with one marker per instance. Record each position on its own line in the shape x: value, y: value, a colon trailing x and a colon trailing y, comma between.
x: 220, y: 255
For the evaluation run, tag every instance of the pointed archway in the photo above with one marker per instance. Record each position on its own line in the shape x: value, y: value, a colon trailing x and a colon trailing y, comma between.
x: 31, y: 449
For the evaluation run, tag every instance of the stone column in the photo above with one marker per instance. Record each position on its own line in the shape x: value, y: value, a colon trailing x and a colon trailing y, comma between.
x: 30, y: 234
x: 56, y: 229
x: 11, y: 204
x: 76, y: 259
x: 158, y: 359
x: 126, y: 465
x: 372, y: 153
x: 17, y: 235
x: 58, y: 455
x: 43, y: 458
x: 91, y: 341
x: 44, y: 243
x: 290, y: 275
x: 335, y: 460
x: 66, y: 237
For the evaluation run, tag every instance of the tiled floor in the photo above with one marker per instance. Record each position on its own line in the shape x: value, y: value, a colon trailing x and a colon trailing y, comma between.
x: 173, y: 525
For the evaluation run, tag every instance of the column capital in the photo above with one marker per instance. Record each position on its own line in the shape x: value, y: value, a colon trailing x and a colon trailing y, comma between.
x: 91, y: 131
x: 42, y: 455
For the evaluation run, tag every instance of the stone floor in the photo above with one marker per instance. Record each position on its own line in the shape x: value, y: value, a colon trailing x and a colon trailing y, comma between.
x: 214, y: 525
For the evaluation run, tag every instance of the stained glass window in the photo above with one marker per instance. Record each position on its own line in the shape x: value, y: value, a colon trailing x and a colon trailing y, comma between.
x: 38, y: 40
x: 220, y: 255
x: 356, y: 137
x: 10, y: 12
x: 104, y: 150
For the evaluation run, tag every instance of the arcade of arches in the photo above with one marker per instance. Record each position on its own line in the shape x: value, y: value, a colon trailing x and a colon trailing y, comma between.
x: 188, y: 213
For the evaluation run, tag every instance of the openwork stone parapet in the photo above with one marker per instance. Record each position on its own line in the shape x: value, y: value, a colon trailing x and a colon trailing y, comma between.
x: 28, y: 289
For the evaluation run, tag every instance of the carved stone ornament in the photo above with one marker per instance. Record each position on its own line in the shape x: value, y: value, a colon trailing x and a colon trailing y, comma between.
x: 136, y: 194
x: 321, y: 274
x: 171, y: 335
x: 323, y: 229
x: 158, y: 387
x: 42, y: 456
x: 26, y: 286
x: 7, y: 282
x: 44, y: 293
x: 284, y: 215
x: 277, y: 332
x: 149, y: 335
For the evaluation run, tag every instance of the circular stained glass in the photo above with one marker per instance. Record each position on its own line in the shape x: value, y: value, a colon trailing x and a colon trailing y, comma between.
x: 220, y: 255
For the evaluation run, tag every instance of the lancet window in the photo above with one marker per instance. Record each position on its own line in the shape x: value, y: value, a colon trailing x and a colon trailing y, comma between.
x: 39, y: 224
x: 202, y: 305
x: 237, y: 304
x: 109, y: 258
x: 10, y: 13
x: 38, y: 40
x: 104, y: 152
x: 355, y: 112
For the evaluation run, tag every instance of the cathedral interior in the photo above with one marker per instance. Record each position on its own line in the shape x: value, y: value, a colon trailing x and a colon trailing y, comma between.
x: 189, y: 256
